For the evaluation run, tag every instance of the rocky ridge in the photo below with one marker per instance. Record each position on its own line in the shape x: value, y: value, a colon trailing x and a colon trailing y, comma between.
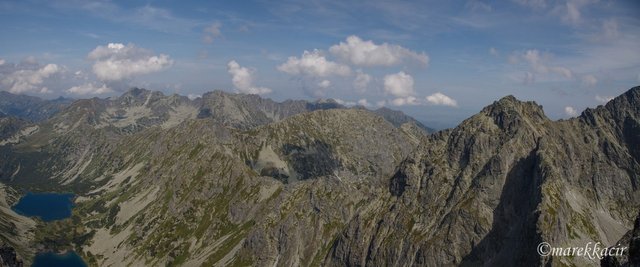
x: 253, y: 182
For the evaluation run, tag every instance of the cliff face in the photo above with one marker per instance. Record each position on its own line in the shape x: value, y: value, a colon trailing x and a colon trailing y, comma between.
x: 232, y: 179
x: 488, y: 191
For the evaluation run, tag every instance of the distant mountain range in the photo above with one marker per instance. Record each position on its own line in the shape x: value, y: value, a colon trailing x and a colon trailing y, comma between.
x: 231, y: 179
x: 30, y: 107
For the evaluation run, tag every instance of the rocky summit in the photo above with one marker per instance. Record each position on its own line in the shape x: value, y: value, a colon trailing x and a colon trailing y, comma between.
x: 238, y: 180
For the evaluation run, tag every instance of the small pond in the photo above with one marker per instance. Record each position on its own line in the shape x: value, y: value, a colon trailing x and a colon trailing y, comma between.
x: 51, y: 259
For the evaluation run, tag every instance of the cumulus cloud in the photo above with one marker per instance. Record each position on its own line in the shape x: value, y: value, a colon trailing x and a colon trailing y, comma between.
x: 89, y: 89
x: 211, y: 32
x: 589, y: 80
x: 117, y: 62
x: 324, y: 84
x: 29, y: 80
x: 603, y: 99
x: 366, y: 53
x: 243, y: 81
x: 571, y: 111
x: 399, y: 84
x: 1, y: 62
x: 313, y: 64
x: 441, y: 99
x: 361, y: 81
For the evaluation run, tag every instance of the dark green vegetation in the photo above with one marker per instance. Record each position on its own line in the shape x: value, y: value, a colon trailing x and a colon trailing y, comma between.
x: 240, y: 180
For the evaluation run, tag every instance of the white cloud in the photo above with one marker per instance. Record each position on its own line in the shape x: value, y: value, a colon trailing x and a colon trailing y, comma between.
x: 45, y: 90
x: 572, y: 13
x: 589, y: 80
x: 401, y: 101
x: 242, y: 80
x: 117, y: 62
x: 29, y: 80
x: 211, y: 32
x: 441, y: 99
x: 324, y: 84
x: 603, y: 99
x: 571, y: 111
x: 366, y: 53
x: 344, y: 103
x: 313, y: 64
x: 361, y: 81
x: 193, y: 96
x: 399, y: 84
x: 533, y: 57
x: 565, y: 72
x: 89, y: 89
x: 364, y: 102
x: 2, y: 62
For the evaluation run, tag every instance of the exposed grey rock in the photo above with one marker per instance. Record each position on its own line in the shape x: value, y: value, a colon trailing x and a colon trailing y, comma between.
x: 248, y: 181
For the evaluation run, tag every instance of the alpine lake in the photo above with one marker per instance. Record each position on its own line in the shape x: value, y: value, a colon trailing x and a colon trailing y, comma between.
x: 49, y: 207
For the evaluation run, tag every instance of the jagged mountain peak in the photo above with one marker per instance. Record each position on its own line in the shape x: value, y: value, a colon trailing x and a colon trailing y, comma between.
x: 511, y: 103
x: 137, y: 96
x: 630, y: 100
x: 509, y: 112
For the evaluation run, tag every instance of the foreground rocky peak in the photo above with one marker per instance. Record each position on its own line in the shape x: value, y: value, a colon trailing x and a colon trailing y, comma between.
x: 488, y: 191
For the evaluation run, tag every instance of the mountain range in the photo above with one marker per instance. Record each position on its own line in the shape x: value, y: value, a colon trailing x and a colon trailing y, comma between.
x: 232, y: 179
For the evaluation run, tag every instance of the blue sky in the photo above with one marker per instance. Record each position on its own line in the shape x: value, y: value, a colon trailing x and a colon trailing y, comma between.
x: 439, y: 61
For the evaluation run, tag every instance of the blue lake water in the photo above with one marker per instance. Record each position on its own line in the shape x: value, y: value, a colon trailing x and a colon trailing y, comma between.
x: 46, y: 206
x: 50, y: 259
